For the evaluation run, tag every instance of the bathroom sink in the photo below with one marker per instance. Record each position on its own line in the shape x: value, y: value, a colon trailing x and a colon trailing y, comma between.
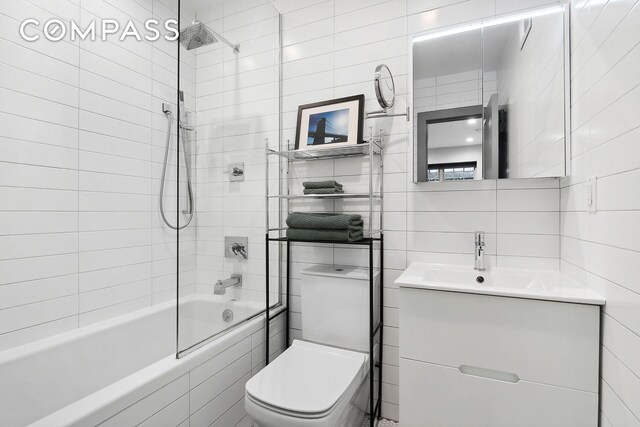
x: 508, y: 282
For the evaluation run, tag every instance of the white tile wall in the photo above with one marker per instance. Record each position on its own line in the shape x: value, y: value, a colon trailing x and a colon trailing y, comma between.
x: 87, y: 148
x: 82, y: 142
x: 602, y: 248
x: 531, y: 81
x: 236, y: 111
x: 337, y: 57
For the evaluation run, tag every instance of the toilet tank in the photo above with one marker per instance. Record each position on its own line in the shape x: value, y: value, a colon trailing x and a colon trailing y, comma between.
x: 335, y: 306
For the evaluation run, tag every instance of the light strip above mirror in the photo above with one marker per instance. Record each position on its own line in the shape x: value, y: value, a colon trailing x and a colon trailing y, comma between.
x: 484, y: 24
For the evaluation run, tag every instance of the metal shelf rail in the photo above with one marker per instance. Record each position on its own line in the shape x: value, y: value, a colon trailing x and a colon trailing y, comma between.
x: 373, y: 147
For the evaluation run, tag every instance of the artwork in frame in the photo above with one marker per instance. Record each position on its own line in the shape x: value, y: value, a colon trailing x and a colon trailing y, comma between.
x: 330, y: 124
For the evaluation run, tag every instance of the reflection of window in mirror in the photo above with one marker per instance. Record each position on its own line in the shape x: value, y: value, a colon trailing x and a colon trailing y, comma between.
x: 453, y: 141
x: 452, y: 171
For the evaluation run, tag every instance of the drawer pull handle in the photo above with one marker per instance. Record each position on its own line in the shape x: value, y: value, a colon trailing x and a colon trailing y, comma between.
x: 489, y: 373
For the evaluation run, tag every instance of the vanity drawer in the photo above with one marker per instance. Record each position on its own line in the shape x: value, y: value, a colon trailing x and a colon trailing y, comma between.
x: 538, y: 341
x: 440, y: 396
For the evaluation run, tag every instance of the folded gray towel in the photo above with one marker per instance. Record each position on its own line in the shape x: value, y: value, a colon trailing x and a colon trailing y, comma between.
x: 325, y: 235
x: 324, y: 221
x: 331, y: 190
x: 321, y: 184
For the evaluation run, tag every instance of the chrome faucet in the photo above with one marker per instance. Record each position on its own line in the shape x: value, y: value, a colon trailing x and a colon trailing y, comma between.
x: 220, y: 288
x: 239, y: 250
x: 479, y: 252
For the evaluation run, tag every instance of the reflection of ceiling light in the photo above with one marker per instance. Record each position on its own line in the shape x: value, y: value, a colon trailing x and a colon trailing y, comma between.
x: 490, y: 23
x: 472, y: 121
x: 469, y: 139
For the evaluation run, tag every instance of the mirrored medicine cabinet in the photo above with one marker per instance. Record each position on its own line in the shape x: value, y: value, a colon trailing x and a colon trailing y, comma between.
x: 491, y: 99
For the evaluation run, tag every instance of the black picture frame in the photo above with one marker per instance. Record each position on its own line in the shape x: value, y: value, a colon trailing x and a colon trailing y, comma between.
x: 359, y: 99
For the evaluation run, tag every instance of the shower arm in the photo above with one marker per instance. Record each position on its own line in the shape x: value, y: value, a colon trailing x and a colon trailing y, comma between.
x: 235, y: 47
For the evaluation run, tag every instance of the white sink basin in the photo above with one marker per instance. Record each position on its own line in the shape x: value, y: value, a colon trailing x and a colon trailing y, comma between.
x: 531, y: 284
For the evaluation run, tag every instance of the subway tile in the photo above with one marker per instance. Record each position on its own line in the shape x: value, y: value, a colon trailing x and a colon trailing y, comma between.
x: 24, y: 293
x: 98, y: 279
x: 37, y: 332
x: 451, y: 14
x: 457, y: 242
x: 313, y: 30
x: 32, y: 107
x: 104, y: 259
x: 308, y: 49
x: 452, y: 201
x: 622, y: 380
x: 614, y: 409
x: 25, y: 316
x: 509, y: 6
x: 370, y: 34
x: 452, y: 221
x: 621, y: 342
x: 202, y: 394
x: 218, y: 406
x: 618, y: 192
x: 37, y: 245
x: 308, y: 15
x: 530, y: 245
x: 33, y: 84
x: 528, y: 200
x: 62, y: 51
x: 529, y: 223
x: 111, y: 311
x: 151, y: 404
x: 28, y: 176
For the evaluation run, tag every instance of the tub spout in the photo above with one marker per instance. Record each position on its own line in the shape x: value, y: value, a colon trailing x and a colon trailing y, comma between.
x: 220, y: 288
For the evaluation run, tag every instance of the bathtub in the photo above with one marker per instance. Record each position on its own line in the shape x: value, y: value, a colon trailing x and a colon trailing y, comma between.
x: 86, y: 376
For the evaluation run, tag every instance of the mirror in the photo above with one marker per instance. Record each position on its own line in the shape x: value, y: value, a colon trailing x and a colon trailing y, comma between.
x: 384, y: 86
x: 490, y: 100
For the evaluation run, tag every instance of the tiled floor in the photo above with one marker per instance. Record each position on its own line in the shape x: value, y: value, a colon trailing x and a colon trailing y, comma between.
x: 381, y: 423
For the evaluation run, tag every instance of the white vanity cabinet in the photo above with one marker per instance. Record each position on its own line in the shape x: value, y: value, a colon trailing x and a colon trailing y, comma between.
x: 472, y: 359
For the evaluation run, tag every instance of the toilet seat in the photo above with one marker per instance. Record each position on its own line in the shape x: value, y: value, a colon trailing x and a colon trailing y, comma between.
x: 285, y: 412
x: 307, y: 381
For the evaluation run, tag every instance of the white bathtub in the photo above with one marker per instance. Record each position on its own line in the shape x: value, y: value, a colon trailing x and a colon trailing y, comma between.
x: 86, y: 376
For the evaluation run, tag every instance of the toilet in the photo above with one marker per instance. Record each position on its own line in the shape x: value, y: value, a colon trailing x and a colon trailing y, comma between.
x: 323, y: 379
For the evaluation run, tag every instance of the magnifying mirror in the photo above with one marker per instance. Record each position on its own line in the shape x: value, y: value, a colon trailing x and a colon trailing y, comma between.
x: 385, y: 87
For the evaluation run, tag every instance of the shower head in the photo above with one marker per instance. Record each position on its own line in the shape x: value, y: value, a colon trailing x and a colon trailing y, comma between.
x: 198, y: 34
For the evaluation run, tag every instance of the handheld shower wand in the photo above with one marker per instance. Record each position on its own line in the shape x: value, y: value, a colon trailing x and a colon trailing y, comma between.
x: 183, y: 125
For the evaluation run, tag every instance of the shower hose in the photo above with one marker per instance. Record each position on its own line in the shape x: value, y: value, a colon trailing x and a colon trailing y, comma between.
x: 187, y: 162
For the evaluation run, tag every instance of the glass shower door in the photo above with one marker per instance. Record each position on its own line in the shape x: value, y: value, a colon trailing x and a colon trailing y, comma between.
x: 229, y: 78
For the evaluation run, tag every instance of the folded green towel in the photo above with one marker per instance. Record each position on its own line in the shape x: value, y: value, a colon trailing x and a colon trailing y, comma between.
x: 331, y: 190
x: 325, y: 235
x: 324, y: 221
x: 321, y: 184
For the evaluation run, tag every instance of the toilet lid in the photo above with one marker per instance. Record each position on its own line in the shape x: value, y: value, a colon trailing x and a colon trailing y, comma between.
x: 307, y: 378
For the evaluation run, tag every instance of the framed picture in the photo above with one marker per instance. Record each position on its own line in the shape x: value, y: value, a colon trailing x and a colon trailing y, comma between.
x: 330, y: 124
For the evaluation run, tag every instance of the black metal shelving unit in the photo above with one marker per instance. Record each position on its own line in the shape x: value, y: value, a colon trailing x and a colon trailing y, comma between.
x: 375, y: 241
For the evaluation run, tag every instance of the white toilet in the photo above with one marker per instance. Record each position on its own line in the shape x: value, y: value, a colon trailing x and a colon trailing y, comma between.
x: 323, y: 380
